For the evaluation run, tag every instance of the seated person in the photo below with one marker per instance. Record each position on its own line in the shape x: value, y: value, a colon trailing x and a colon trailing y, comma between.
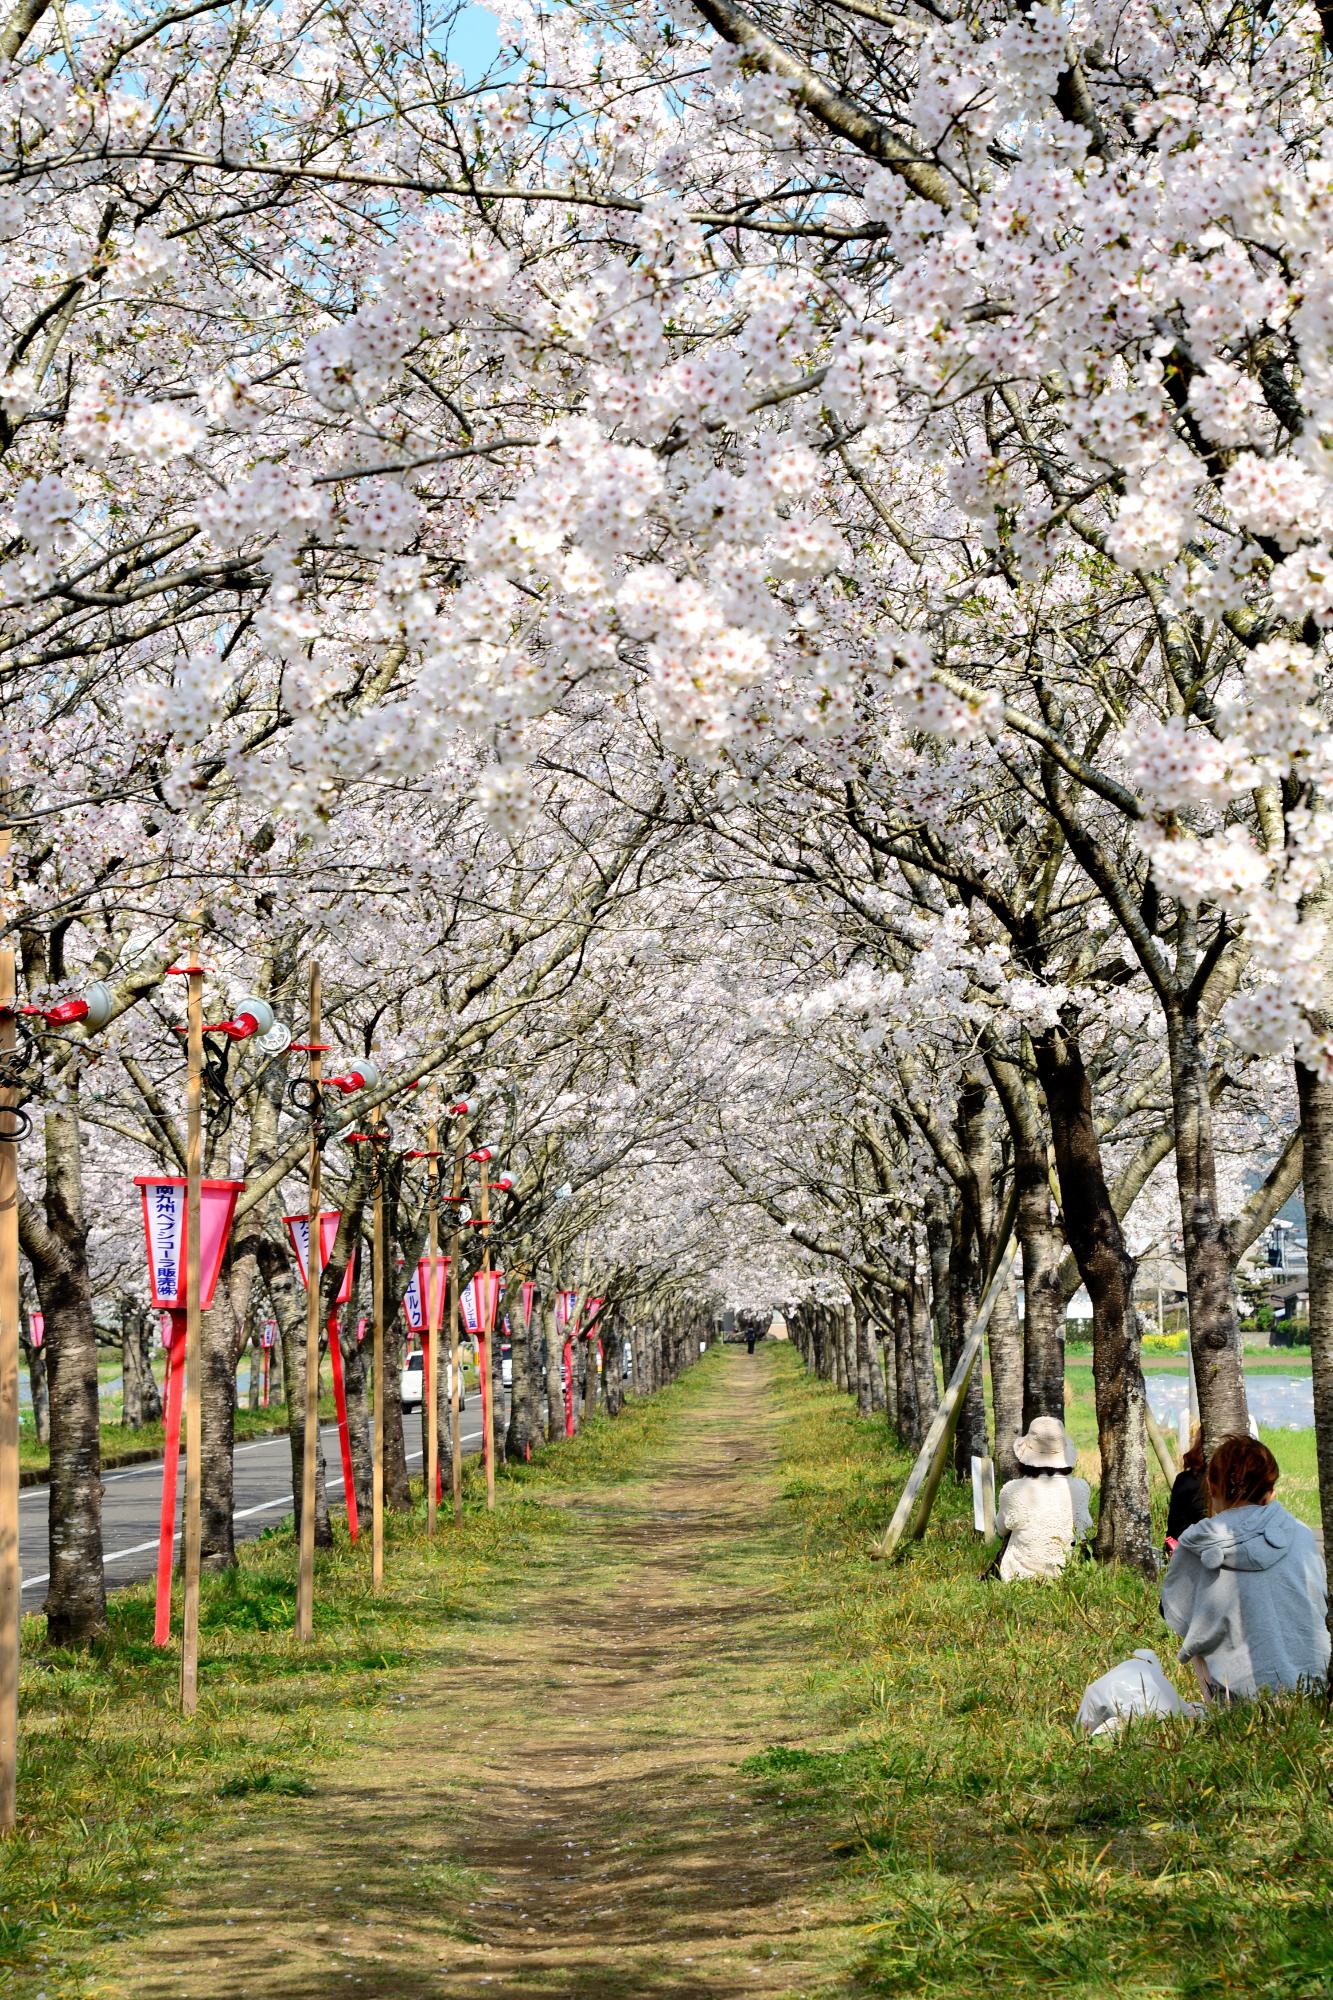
x: 1042, y: 1511
x: 1189, y: 1498
x: 1245, y: 1590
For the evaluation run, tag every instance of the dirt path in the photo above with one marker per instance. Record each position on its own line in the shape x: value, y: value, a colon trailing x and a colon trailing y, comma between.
x: 558, y: 1811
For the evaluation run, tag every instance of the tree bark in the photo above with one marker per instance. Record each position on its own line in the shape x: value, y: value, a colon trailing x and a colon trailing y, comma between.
x: 555, y: 1347
x: 856, y: 1336
x: 57, y: 1249
x: 1316, y: 1102
x: 923, y: 1357
x: 138, y: 1389
x: 217, y: 1547
x: 904, y: 1409
x: 1124, y: 1526
x: 880, y: 1404
x: 288, y: 1304
x: 964, y: 1296
x: 1209, y: 1259
x: 1040, y: 1244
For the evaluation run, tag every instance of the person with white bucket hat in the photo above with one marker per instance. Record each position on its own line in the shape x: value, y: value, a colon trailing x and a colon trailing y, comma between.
x: 1044, y: 1511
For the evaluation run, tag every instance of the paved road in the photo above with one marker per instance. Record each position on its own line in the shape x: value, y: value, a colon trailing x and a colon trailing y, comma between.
x: 133, y: 1498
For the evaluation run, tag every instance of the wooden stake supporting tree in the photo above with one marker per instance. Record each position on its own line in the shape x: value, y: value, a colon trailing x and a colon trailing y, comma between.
x: 305, y: 1571
x: 431, y: 1303
x: 194, y: 1392
x: 455, y: 1420
x: 10, y: 1576
x: 486, y: 1334
x: 379, y: 1143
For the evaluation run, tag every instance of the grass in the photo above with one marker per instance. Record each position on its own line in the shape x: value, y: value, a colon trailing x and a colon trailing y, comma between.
x: 1007, y: 1854
x: 115, y: 1786
x: 908, y: 1728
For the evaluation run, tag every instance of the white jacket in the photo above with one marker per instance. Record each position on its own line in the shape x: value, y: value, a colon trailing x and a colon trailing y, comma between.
x: 1041, y: 1514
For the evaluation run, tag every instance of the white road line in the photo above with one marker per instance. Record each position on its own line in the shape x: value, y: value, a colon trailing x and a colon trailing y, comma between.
x: 238, y: 1514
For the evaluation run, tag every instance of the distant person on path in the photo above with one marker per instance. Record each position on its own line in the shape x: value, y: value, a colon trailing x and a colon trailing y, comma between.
x: 749, y: 1339
x: 1045, y: 1510
x: 1245, y: 1590
x: 1189, y: 1497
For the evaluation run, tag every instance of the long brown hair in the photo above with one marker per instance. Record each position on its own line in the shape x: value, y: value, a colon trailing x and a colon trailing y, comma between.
x: 1241, y: 1472
x: 1194, y: 1459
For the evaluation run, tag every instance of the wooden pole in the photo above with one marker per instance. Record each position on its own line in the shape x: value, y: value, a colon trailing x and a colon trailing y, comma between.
x: 377, y: 1140
x: 1159, y: 1445
x: 194, y: 1333
x: 488, y: 1341
x: 305, y: 1574
x: 11, y: 1583
x: 432, y: 1361
x: 456, y: 1429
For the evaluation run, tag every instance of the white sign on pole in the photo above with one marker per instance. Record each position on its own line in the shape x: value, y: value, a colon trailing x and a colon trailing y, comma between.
x: 164, y: 1207
x: 983, y: 1496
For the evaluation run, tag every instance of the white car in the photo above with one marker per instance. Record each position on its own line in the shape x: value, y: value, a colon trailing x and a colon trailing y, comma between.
x: 414, y: 1382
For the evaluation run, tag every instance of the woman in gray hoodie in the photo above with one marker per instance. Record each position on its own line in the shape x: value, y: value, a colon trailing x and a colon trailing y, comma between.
x: 1245, y: 1588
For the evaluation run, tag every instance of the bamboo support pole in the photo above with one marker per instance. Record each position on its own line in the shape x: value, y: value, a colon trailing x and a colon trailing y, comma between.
x: 488, y: 1340
x: 455, y: 1423
x: 305, y: 1575
x: 378, y: 1142
x: 194, y: 1335
x: 11, y: 1585
x: 1159, y: 1445
x: 432, y: 1361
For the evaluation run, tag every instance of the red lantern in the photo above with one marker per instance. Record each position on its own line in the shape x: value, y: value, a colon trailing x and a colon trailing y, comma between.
x: 164, y: 1224
x: 298, y: 1228
x: 481, y: 1296
x: 417, y: 1298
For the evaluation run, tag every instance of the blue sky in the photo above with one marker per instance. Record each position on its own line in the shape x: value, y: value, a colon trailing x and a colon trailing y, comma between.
x: 474, y: 42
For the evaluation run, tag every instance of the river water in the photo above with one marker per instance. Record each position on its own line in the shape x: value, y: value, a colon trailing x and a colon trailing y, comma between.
x: 1277, y: 1402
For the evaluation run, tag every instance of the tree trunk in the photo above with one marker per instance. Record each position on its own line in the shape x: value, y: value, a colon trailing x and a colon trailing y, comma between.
x: 555, y: 1392
x: 1316, y: 1102
x: 905, y: 1408
x: 1124, y: 1526
x: 1209, y: 1261
x: 518, y: 1435
x: 923, y: 1357
x: 857, y: 1336
x: 356, y: 1389
x: 1005, y: 1347
x: 289, y: 1310
x: 397, y: 1489
x: 41, y: 1400
x: 881, y: 1378
x: 1039, y: 1240
x: 133, y: 1367
x: 57, y: 1251
x: 970, y: 1438
x: 590, y: 1378
x: 217, y: 1547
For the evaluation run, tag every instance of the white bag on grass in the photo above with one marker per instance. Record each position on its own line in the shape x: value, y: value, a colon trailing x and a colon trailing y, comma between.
x: 1137, y: 1686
